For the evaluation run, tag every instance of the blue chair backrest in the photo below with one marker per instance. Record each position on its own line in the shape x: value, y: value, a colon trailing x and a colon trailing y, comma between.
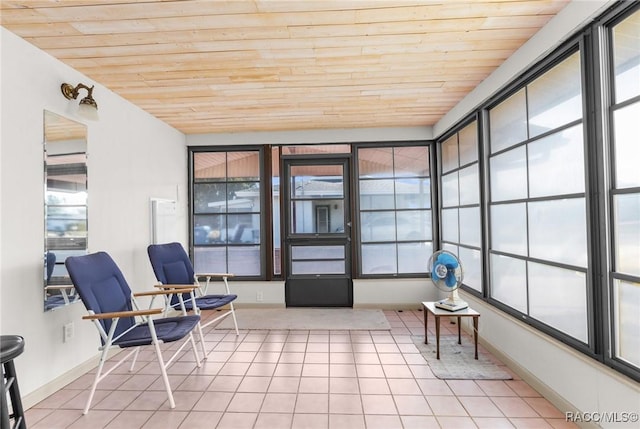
x: 51, y: 263
x: 101, y: 286
x: 171, y: 265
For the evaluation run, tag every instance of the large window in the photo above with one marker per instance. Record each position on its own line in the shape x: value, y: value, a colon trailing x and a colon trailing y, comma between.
x: 624, y: 189
x: 538, y: 214
x: 227, y: 216
x: 394, y: 201
x: 461, y: 229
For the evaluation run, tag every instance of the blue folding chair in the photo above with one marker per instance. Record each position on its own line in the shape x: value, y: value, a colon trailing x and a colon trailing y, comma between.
x: 173, y: 269
x: 113, y: 309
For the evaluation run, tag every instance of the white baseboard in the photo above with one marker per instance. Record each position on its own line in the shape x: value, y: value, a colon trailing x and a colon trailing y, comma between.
x: 58, y: 383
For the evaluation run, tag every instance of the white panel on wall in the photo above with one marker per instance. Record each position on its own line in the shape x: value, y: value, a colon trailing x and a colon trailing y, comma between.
x: 163, y: 221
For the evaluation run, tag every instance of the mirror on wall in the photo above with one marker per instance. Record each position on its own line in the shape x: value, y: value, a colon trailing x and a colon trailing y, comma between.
x: 65, y: 205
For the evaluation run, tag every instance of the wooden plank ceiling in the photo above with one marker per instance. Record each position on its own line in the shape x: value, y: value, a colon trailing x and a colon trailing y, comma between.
x: 256, y: 65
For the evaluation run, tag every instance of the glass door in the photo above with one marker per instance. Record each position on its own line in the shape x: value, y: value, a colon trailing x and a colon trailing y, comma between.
x: 318, y: 232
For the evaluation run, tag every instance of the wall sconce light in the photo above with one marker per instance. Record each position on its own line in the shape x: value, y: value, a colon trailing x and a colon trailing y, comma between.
x: 88, y: 106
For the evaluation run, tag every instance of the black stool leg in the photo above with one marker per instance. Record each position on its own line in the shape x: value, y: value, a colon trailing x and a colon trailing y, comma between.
x: 14, y: 393
x: 4, y: 418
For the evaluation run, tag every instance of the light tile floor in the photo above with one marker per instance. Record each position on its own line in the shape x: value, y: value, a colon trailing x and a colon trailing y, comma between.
x: 300, y: 379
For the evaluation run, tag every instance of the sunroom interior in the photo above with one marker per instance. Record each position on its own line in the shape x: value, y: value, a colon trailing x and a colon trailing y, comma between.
x: 530, y: 177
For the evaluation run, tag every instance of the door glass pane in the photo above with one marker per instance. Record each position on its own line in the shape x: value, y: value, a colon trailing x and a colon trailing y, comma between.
x: 558, y: 231
x: 555, y: 98
x: 627, y: 233
x: 627, y: 323
x: 316, y: 149
x: 556, y: 164
x: 508, y: 122
x: 509, y: 228
x: 318, y: 260
x: 627, y: 154
x: 558, y: 297
x: 379, y: 259
x: 317, y: 252
x: 317, y: 217
x: 509, y: 281
x: 317, y: 181
x: 317, y: 267
x: 411, y: 161
x: 626, y: 54
x: 509, y: 175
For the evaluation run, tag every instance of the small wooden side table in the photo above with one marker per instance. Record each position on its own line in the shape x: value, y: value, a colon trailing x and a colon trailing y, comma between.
x: 430, y: 307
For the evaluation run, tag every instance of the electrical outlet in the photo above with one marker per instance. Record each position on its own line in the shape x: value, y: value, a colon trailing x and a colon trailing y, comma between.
x: 67, y: 332
x: 259, y: 296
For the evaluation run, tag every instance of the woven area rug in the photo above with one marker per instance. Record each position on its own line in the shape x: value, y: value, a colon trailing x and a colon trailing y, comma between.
x: 457, y: 360
x: 308, y: 319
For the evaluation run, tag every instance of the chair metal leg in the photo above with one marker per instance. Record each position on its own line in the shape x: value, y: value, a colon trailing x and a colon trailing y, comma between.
x: 235, y: 322
x: 163, y: 368
x: 135, y: 358
x: 204, y: 350
x: 97, y: 378
x: 195, y: 349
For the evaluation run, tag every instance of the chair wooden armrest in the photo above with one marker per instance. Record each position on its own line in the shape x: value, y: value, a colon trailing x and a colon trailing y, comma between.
x: 118, y: 314
x: 215, y: 275
x: 59, y: 287
x: 163, y: 292
x: 172, y: 288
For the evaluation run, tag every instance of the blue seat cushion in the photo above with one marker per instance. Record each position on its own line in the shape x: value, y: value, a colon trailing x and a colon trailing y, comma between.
x: 210, y: 302
x: 168, y: 330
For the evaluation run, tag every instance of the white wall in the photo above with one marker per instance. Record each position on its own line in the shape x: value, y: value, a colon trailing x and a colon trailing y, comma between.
x: 132, y: 157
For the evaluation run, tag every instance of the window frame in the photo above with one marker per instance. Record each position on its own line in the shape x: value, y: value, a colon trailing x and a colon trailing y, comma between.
x: 594, y: 43
x: 475, y: 117
x: 265, y: 217
x: 429, y: 144
x: 574, y: 45
x: 604, y: 76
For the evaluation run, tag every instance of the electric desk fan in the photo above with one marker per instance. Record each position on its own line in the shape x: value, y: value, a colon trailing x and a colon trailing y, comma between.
x: 447, y: 274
